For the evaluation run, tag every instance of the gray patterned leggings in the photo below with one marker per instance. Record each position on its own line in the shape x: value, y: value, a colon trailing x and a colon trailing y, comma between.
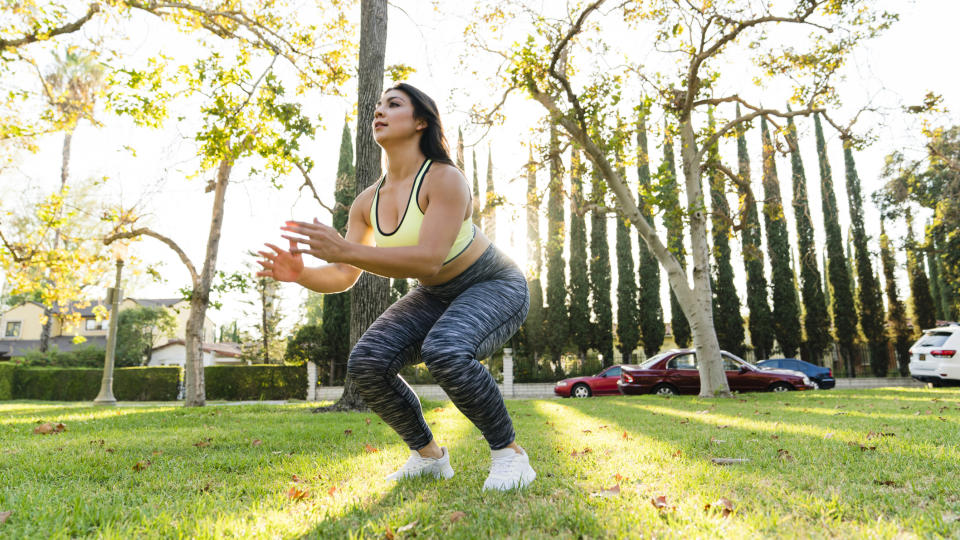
x: 450, y: 327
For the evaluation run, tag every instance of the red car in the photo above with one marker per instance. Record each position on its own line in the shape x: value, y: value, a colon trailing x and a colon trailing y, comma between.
x: 604, y: 383
x: 675, y: 372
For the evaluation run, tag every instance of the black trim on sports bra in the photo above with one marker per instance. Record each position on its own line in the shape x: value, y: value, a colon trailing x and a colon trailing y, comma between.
x: 417, y: 196
x: 470, y: 243
x: 376, y: 207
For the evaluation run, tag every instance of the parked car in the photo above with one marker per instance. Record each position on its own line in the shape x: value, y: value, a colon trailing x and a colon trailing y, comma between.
x: 603, y: 383
x: 935, y: 357
x: 821, y: 377
x: 675, y: 372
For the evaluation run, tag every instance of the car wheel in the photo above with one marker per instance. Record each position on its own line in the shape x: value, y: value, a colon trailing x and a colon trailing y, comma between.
x: 664, y: 390
x: 781, y: 387
x: 581, y: 390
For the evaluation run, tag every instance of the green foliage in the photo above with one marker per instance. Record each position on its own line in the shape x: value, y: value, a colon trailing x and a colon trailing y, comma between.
x: 84, y: 356
x: 628, y: 323
x: 649, y: 306
x: 307, y: 345
x: 530, y: 336
x: 786, y: 312
x: 673, y: 221
x: 870, y: 296
x: 137, y: 328
x: 600, y: 279
x: 899, y: 330
x: 579, y: 309
x: 257, y: 382
x: 556, y: 322
x: 83, y: 384
x: 761, y: 327
x: 844, y: 312
x: 727, y: 320
x: 933, y: 271
x: 7, y: 375
x: 398, y: 288
x: 924, y: 313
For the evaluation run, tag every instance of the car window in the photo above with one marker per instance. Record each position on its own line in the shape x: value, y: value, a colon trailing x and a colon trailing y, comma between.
x: 683, y: 361
x: 729, y: 364
x: 934, y: 339
x: 613, y: 372
x: 789, y: 364
x: 769, y: 363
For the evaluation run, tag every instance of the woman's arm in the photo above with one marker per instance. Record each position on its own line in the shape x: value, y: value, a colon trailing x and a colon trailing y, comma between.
x: 448, y: 198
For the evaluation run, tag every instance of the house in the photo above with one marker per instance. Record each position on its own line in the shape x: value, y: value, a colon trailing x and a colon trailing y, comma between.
x: 174, y: 353
x: 22, y: 327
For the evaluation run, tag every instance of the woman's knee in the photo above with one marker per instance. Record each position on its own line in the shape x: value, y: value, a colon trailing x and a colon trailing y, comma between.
x: 363, y: 365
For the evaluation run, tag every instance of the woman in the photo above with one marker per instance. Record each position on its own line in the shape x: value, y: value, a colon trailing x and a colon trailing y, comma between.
x: 416, y: 223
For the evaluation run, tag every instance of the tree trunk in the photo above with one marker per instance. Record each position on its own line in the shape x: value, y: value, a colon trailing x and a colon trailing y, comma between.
x: 371, y: 294
x: 263, y: 323
x: 64, y: 174
x: 699, y: 307
x: 200, y: 298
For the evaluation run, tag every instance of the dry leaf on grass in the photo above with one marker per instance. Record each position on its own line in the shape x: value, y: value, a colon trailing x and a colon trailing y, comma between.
x: 608, y: 492
x: 618, y: 477
x: 625, y: 436
x: 584, y: 452
x: 296, y: 479
x: 457, y: 516
x: 370, y: 449
x: 332, y: 490
x: 158, y: 452
x: 685, y: 421
x: 408, y: 526
x: 97, y: 442
x: 877, y: 435
x: 4, y: 516
x: 723, y: 505
x: 141, y: 465
x: 367, y: 420
x: 438, y: 409
x: 297, y: 494
x: 728, y: 460
x: 885, y: 483
x: 660, y: 503
x: 388, y: 534
x: 784, y: 455
x: 348, y: 432
x: 256, y: 442
x: 49, y: 428
x: 587, y: 431
x: 862, y: 447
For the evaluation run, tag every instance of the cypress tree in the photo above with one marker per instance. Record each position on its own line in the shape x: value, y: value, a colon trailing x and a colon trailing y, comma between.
x: 531, y: 332
x: 727, y: 320
x: 897, y: 313
x: 942, y: 255
x: 816, y: 318
x: 579, y: 313
x: 556, y: 324
x: 844, y: 311
x: 477, y: 207
x: 761, y: 329
x: 460, y: 163
x: 786, y: 311
x: 600, y: 301
x: 335, y: 331
x: 673, y: 221
x: 628, y: 324
x: 924, y: 314
x: 490, y: 207
x: 935, y: 290
x: 871, y: 300
x: 398, y: 288
x: 650, y: 309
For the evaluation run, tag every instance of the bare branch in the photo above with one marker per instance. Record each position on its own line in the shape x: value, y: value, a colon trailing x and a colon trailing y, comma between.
x: 65, y: 29
x: 756, y: 111
x: 17, y: 257
x: 308, y: 183
x: 136, y: 233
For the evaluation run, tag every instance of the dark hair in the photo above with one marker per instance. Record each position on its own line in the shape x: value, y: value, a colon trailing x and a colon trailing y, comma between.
x: 433, y: 143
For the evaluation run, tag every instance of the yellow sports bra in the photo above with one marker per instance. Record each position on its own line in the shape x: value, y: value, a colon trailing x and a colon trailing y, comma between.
x: 407, y: 232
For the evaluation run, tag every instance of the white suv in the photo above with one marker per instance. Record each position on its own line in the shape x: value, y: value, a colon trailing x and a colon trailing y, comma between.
x: 935, y: 357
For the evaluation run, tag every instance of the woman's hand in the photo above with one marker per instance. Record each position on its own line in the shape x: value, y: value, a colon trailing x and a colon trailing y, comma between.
x: 281, y: 265
x: 321, y: 241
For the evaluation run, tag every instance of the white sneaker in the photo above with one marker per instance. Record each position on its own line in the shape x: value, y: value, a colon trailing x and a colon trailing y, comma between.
x: 509, y: 470
x: 417, y: 465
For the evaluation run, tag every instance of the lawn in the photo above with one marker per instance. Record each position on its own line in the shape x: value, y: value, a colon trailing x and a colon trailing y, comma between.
x: 851, y: 463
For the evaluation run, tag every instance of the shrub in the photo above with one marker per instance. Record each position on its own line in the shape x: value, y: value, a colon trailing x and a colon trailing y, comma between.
x: 7, y: 373
x: 87, y: 356
x: 255, y: 382
x: 83, y: 384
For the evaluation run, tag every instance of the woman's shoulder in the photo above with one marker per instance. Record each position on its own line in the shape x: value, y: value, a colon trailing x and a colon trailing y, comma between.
x: 445, y: 176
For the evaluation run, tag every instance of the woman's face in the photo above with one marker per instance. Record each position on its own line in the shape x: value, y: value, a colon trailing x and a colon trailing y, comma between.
x: 393, y: 117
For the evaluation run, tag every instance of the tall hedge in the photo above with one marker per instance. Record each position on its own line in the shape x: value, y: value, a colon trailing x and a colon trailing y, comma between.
x: 579, y: 308
x: 648, y: 272
x: 6, y: 380
x: 83, y: 384
x: 256, y: 382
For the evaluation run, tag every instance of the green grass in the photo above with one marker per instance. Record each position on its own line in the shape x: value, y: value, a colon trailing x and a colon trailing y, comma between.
x: 812, y: 472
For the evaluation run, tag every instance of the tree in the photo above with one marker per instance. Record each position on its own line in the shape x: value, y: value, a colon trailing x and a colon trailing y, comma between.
x: 477, y: 205
x: 896, y: 314
x: 600, y: 280
x: 138, y: 328
x: 460, y: 163
x: 532, y: 329
x: 727, y: 319
x: 871, y: 301
x: 648, y: 304
x: 934, y: 272
x: 579, y: 309
x: 697, y: 37
x: 628, y: 323
x: 816, y: 319
x: 556, y: 326
x: 786, y: 312
x: 760, y: 324
x: 673, y: 221
x: 844, y: 312
x: 268, y: 347
x: 490, y: 206
x: 398, y: 288
x: 924, y: 314
x: 307, y: 345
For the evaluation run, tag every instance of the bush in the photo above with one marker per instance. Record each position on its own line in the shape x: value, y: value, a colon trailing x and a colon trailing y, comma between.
x: 83, y: 384
x: 255, y: 382
x: 7, y: 373
x: 88, y: 356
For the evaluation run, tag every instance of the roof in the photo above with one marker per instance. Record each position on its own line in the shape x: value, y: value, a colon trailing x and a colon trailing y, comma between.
x: 17, y: 347
x: 154, y: 302
x: 221, y: 349
x: 87, y: 311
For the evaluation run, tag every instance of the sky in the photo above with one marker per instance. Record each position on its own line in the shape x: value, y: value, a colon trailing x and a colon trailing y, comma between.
x: 893, y: 70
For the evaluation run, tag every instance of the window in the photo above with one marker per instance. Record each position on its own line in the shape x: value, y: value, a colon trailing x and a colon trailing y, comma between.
x: 613, y: 372
x: 683, y: 361
x: 934, y: 339
x: 12, y: 330
x: 729, y: 364
x: 94, y: 325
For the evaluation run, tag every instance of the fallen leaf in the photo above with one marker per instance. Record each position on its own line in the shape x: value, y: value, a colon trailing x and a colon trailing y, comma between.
x: 97, y: 442
x: 438, y: 409
x: 723, y: 505
x: 49, y: 428
x: 774, y: 437
x: 885, y: 482
x: 158, y: 452
x: 678, y: 453
x: 389, y: 535
x: 5, y: 515
x: 618, y: 477
x: 367, y: 420
x: 625, y: 436
x: 457, y: 516
x: 609, y: 492
x: 408, y: 526
x: 256, y: 442
x: 724, y: 426
x: 585, y: 451
x: 332, y: 490
x: 297, y: 479
x: 370, y: 449
x: 728, y: 460
x: 784, y: 455
x: 297, y: 494
x: 201, y: 444
x: 660, y: 503
x: 942, y: 419
x: 348, y: 432
x: 205, y: 488
x: 141, y: 465
x: 110, y: 450
x: 685, y: 421
x: 877, y: 435
x: 587, y: 431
